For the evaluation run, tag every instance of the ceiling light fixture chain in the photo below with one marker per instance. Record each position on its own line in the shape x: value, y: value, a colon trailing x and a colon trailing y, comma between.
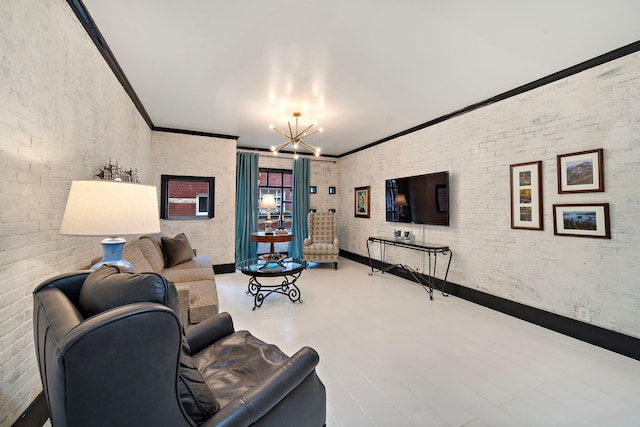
x: 295, y: 138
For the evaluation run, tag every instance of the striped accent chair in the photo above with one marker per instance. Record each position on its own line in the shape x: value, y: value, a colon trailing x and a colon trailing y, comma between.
x: 322, y: 243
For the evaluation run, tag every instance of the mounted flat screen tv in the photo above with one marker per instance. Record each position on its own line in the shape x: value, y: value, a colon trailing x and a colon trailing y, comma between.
x: 420, y: 199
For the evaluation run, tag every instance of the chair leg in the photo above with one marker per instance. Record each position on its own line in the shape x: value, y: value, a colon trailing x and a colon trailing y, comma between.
x: 336, y: 265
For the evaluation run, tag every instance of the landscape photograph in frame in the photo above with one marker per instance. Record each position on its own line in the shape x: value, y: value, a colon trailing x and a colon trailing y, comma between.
x: 582, y: 220
x: 581, y: 172
x: 526, y: 195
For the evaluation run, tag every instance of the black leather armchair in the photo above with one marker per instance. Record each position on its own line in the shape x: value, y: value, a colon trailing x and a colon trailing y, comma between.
x: 121, y: 366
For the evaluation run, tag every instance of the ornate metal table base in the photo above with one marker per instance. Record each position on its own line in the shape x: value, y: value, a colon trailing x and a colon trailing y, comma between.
x: 286, y: 287
x: 432, y: 251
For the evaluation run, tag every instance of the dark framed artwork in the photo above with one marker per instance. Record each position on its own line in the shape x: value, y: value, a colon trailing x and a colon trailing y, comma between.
x: 526, y: 196
x: 582, y: 220
x: 362, y: 202
x: 332, y: 211
x: 581, y: 172
x: 186, y: 197
x: 332, y: 190
x: 313, y: 189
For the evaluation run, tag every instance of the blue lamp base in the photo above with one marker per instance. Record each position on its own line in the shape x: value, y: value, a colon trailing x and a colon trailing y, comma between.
x: 112, y: 253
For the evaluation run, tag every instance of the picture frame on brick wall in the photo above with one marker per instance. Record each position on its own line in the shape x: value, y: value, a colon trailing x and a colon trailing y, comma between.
x: 526, y: 196
x: 581, y: 172
x: 582, y: 220
x: 362, y: 202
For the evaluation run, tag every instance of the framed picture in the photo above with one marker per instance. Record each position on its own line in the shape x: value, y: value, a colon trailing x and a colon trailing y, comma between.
x: 526, y: 196
x: 582, y: 220
x: 581, y: 172
x: 362, y: 202
x: 332, y: 190
x: 313, y: 189
x: 332, y: 211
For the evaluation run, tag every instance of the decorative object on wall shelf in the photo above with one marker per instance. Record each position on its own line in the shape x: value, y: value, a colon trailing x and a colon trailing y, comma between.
x: 313, y: 189
x: 115, y: 172
x: 581, y: 172
x: 526, y: 196
x: 362, y: 202
x: 332, y: 190
x: 582, y: 220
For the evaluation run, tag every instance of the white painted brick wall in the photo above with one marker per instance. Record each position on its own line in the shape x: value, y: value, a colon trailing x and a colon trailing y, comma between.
x: 599, y: 108
x: 62, y: 115
x: 189, y: 155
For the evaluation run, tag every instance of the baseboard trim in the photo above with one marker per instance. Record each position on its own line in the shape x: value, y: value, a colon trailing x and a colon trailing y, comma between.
x: 614, y: 341
x: 35, y: 415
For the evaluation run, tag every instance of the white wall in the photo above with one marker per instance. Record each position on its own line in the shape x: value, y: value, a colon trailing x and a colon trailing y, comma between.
x: 598, y: 108
x: 62, y: 115
x: 189, y: 155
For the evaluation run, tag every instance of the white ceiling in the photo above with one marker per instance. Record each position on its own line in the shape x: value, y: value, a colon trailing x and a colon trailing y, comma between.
x: 363, y: 69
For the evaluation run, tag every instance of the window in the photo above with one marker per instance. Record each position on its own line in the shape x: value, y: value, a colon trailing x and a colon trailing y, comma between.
x: 278, y: 182
x: 186, y: 197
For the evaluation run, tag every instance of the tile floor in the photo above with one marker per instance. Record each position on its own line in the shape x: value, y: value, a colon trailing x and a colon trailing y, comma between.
x: 391, y: 357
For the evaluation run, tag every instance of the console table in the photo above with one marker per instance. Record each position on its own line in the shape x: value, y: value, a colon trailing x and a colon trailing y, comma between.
x: 432, y: 250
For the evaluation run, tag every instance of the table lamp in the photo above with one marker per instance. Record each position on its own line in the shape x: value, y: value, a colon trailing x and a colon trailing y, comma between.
x: 268, y: 202
x: 111, y: 208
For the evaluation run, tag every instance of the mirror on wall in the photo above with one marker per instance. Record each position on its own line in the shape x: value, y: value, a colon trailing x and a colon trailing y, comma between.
x: 186, y: 197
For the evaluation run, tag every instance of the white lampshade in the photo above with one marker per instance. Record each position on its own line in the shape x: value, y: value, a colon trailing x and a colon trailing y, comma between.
x: 268, y: 202
x: 110, y: 208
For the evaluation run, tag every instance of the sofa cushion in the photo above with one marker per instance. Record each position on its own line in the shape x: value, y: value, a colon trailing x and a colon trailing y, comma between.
x: 108, y: 288
x: 134, y: 255
x: 176, y: 250
x: 151, y: 251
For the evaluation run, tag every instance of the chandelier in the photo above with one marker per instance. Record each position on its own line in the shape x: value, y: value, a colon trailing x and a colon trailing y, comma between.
x: 295, y: 138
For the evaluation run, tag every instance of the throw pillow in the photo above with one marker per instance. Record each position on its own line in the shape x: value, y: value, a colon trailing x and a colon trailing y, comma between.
x: 108, y: 287
x: 176, y: 250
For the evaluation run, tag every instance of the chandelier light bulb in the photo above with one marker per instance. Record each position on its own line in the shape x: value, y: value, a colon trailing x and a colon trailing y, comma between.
x: 295, y: 136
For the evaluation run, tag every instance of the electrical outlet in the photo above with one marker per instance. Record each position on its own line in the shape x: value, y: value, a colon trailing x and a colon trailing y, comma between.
x: 584, y: 314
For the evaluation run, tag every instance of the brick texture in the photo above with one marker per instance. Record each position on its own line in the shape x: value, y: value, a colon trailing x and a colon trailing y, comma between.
x: 189, y: 155
x: 598, y: 108
x: 62, y: 116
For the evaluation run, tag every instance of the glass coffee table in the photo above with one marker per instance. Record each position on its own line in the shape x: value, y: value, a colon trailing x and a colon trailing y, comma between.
x: 289, y: 269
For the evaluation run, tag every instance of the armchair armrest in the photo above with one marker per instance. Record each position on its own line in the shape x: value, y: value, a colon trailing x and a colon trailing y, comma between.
x: 307, y: 241
x: 207, y: 332
x: 335, y: 242
x: 259, y: 400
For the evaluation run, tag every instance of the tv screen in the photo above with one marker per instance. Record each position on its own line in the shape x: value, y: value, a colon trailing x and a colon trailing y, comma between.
x: 420, y: 199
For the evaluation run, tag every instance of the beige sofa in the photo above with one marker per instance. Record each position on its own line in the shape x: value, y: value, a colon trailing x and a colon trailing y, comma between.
x: 194, y: 279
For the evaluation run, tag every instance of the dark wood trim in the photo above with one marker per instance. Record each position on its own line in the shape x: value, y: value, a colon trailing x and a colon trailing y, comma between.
x: 625, y: 345
x: 594, y: 62
x: 35, y: 415
x: 194, y: 132
x: 89, y: 25
x: 224, y: 268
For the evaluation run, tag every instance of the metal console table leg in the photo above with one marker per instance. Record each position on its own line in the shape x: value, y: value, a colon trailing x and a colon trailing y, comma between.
x: 427, y: 282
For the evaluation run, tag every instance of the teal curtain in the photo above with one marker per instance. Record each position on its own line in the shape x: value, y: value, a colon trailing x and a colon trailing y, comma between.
x: 300, y: 205
x: 246, y: 204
